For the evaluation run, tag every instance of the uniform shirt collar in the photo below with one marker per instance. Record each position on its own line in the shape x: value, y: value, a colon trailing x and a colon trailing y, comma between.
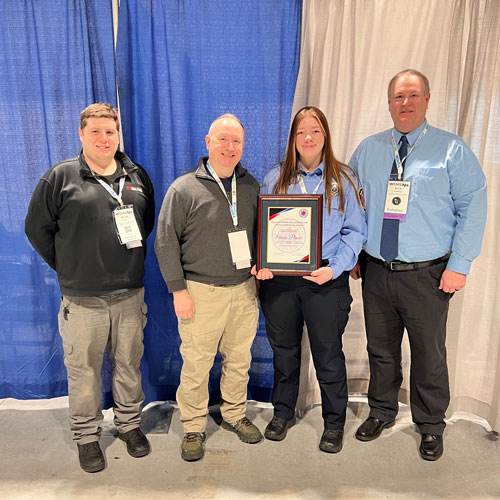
x: 318, y: 171
x: 411, y: 136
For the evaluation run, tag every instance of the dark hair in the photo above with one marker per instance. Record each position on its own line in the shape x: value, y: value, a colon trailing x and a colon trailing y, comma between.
x: 334, y: 170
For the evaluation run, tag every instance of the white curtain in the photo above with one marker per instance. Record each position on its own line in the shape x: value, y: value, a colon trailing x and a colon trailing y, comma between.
x: 350, y: 50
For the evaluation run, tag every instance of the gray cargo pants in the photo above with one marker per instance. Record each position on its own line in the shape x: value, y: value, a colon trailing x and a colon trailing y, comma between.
x: 87, y: 326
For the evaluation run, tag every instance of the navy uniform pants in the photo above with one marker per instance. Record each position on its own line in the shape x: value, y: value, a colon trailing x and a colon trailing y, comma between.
x: 288, y: 302
x: 393, y: 301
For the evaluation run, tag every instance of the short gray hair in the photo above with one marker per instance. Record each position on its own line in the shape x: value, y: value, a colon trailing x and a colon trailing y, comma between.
x: 414, y: 72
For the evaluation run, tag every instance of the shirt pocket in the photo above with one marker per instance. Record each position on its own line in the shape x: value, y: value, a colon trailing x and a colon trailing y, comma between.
x: 332, y: 221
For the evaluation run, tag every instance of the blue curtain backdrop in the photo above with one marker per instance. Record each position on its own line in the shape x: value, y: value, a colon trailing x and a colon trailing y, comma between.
x: 181, y: 64
x: 56, y: 58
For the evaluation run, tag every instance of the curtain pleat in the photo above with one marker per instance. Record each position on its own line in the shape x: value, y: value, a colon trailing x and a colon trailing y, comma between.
x: 56, y: 58
x: 350, y: 50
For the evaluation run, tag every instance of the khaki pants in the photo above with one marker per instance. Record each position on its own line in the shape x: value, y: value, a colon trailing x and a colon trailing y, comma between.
x: 88, y: 325
x: 225, y: 319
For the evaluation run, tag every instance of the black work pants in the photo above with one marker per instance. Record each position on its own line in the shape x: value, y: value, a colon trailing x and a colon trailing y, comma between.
x: 394, y: 301
x: 288, y: 302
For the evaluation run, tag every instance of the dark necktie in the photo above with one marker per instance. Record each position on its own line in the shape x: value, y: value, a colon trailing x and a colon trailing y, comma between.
x: 390, y: 227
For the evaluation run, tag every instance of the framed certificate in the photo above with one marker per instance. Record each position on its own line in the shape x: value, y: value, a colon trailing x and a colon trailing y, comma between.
x: 289, y: 233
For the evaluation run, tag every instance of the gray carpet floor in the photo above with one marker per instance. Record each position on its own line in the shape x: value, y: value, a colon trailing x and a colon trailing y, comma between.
x: 39, y: 460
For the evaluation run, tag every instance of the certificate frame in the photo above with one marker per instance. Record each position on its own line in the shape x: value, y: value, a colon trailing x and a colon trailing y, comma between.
x: 289, y: 234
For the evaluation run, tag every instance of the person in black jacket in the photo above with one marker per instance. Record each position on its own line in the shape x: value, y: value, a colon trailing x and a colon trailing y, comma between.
x: 89, y: 218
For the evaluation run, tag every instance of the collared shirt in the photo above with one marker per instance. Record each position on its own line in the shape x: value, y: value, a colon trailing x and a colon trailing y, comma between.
x: 447, y: 203
x: 343, y: 233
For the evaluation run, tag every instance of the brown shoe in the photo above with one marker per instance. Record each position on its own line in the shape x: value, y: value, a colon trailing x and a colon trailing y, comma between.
x: 245, y: 430
x: 193, y: 446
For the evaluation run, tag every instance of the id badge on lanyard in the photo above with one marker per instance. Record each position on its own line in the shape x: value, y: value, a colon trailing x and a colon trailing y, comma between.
x: 238, y: 238
x: 240, y: 249
x: 396, y: 200
x: 398, y: 191
x: 126, y: 226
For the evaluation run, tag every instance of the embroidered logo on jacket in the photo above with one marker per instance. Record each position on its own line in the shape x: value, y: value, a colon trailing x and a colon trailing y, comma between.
x: 134, y: 188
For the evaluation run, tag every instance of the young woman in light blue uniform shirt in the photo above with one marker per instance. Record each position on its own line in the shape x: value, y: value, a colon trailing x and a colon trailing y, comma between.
x: 321, y: 300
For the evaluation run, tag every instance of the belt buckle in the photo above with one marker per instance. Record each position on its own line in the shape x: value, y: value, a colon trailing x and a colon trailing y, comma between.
x: 391, y: 265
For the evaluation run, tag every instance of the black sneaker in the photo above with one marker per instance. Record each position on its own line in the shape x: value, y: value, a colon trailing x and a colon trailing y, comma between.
x: 277, y: 428
x: 331, y: 441
x: 137, y: 442
x: 91, y: 457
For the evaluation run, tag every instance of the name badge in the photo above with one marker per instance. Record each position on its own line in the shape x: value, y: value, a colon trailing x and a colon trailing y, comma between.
x: 240, y: 249
x: 126, y: 226
x: 396, y: 200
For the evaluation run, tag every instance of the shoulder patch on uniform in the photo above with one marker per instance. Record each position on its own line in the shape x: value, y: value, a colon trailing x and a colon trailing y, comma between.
x: 362, y: 198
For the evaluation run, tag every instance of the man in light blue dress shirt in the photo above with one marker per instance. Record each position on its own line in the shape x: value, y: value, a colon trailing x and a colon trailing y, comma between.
x: 437, y: 236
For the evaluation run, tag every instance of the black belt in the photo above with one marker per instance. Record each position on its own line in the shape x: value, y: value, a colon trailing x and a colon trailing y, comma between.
x: 397, y: 265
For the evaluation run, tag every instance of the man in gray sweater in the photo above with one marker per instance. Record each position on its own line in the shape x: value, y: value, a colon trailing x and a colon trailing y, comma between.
x: 204, y: 243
